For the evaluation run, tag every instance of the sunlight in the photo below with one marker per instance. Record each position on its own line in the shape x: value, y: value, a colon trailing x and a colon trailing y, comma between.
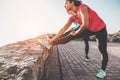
x: 33, y: 32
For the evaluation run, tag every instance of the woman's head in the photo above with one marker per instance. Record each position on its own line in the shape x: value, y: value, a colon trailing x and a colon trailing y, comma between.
x: 76, y: 2
x: 70, y: 3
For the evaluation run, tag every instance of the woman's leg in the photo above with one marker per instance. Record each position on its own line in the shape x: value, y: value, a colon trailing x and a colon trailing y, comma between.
x: 102, y: 45
x: 86, y: 39
x: 66, y: 33
x: 64, y: 39
x: 68, y: 38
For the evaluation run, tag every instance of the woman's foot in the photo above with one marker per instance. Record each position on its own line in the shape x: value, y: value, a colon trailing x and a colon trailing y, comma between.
x: 87, y: 59
x: 45, y: 43
x: 101, y: 74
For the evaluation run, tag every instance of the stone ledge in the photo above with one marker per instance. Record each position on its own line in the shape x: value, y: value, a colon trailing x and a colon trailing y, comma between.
x: 24, y: 60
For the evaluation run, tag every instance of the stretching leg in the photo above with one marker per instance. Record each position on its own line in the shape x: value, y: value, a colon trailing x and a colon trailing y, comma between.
x: 66, y: 33
x: 68, y: 38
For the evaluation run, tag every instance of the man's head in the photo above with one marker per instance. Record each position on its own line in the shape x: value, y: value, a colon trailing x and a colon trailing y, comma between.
x: 70, y: 3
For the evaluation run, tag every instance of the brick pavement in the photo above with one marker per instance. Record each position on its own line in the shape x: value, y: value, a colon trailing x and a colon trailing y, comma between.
x: 67, y: 62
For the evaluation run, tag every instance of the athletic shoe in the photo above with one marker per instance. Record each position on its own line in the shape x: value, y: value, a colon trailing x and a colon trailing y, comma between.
x: 45, y: 43
x: 87, y: 59
x: 101, y: 74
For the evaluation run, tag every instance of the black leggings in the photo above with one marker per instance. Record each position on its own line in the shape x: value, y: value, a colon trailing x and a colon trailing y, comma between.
x: 102, y: 42
x: 86, y: 39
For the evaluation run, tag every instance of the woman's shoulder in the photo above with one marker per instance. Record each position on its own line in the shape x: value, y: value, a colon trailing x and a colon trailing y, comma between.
x: 82, y: 5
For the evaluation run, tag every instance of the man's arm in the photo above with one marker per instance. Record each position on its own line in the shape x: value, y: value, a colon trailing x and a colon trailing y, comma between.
x: 59, y: 34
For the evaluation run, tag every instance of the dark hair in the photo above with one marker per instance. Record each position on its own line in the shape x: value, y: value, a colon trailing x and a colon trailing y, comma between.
x: 76, y: 2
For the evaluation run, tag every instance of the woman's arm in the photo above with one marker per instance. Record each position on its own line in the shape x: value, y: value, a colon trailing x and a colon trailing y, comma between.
x: 85, y: 20
x: 59, y: 34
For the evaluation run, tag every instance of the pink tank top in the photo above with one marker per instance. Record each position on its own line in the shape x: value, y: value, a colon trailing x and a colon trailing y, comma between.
x: 95, y: 22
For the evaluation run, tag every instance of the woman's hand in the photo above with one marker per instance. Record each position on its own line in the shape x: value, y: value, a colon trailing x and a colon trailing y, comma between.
x: 50, y: 41
x: 73, y: 33
x: 71, y: 29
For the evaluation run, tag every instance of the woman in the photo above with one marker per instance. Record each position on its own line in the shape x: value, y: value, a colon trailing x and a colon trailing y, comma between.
x: 66, y: 34
x: 91, y: 24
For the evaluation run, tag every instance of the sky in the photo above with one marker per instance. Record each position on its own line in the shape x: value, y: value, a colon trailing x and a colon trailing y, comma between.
x: 23, y: 19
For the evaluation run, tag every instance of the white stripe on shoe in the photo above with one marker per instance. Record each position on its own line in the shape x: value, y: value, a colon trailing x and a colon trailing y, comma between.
x: 45, y: 43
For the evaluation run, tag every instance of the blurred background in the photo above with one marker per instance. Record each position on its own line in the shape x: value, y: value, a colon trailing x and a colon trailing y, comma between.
x: 22, y: 19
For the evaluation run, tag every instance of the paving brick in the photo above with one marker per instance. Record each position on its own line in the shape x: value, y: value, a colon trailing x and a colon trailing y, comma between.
x: 73, y: 67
